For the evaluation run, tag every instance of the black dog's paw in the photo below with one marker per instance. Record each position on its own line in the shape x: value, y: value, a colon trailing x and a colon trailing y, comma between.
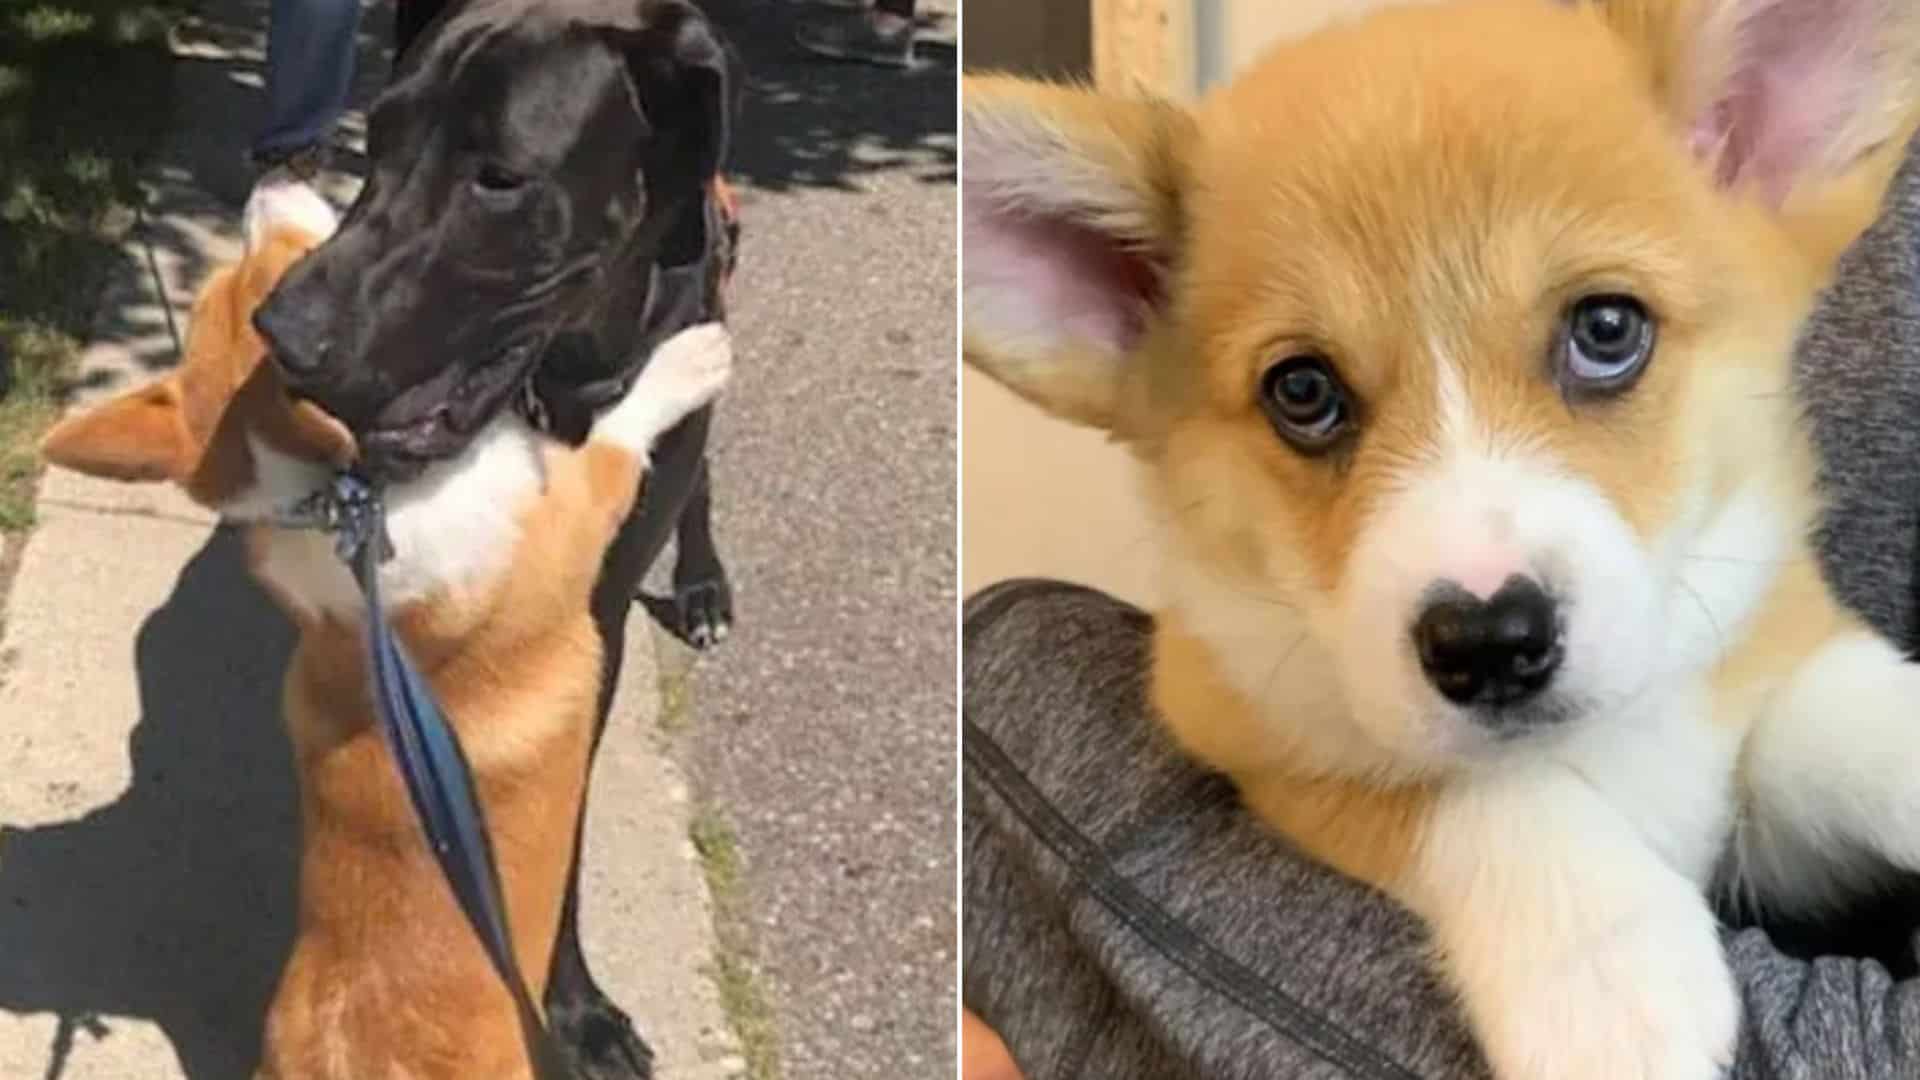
x: 700, y: 614
x: 599, y: 1042
x: 706, y: 610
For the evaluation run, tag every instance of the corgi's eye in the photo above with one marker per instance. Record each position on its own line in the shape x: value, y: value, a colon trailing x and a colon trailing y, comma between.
x: 1305, y: 401
x: 1607, y: 342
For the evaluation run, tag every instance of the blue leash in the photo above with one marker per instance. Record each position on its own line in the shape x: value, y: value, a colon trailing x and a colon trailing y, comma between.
x: 439, y: 780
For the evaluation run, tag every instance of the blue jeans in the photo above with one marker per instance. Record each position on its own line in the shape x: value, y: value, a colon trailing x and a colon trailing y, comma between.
x: 309, y: 72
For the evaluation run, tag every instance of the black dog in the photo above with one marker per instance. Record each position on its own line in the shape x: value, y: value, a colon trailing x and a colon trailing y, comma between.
x: 539, y: 212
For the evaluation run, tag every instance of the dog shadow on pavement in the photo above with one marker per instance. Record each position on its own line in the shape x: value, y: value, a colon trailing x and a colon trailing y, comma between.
x: 175, y: 903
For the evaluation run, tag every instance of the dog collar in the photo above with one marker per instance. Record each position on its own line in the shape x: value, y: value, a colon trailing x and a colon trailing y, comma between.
x: 348, y: 507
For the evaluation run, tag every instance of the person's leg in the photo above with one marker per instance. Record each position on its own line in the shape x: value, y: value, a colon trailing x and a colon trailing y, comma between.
x: 309, y: 72
x: 882, y: 35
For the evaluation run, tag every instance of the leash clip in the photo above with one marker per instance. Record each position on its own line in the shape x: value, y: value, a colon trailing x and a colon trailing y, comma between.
x: 355, y: 515
x: 349, y: 508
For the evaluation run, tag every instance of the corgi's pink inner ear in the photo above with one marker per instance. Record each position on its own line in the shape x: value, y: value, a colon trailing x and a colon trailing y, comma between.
x: 1045, y: 272
x: 1064, y: 221
x: 1070, y: 207
x: 1804, y: 88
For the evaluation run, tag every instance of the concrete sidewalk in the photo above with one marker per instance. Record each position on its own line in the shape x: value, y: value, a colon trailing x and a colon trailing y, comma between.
x: 148, y: 832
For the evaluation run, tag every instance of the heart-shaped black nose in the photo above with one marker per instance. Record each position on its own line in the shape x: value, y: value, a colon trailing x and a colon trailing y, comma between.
x: 1496, y: 651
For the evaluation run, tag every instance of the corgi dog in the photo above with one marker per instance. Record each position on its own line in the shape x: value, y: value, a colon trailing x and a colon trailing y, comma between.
x: 1454, y: 344
x: 495, y: 555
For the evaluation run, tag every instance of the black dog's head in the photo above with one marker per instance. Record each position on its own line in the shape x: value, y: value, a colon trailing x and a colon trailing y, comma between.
x: 529, y: 163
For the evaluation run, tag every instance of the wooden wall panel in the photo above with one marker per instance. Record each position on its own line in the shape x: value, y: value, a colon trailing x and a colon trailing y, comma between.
x: 1143, y: 45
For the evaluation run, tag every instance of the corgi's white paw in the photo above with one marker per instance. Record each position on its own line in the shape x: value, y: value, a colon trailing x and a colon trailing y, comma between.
x: 1649, y: 999
x: 686, y: 372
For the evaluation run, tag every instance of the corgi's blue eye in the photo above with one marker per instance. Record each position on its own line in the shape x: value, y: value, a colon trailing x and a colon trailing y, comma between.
x: 1608, y: 340
x: 1305, y: 401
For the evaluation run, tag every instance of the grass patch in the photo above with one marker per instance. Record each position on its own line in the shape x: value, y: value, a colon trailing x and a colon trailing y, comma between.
x: 676, y: 697
x: 741, y: 994
x: 719, y: 852
x: 40, y: 361
x: 85, y: 93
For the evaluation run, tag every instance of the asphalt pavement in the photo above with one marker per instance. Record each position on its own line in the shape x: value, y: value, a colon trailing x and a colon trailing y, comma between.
x: 826, y: 733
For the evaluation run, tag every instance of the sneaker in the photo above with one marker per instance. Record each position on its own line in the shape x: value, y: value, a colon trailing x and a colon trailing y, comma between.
x: 302, y: 164
x: 285, y: 191
x: 859, y: 37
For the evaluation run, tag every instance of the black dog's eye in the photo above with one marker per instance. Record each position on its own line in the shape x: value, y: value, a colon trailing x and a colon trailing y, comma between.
x: 1305, y: 401
x: 494, y: 178
x: 1607, y: 342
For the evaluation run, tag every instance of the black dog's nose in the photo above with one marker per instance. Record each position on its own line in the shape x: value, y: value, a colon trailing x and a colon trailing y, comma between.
x: 1496, y: 651
x: 298, y: 342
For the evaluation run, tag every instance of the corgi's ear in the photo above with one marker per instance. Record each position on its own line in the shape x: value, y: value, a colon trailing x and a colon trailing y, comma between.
x: 140, y: 436
x: 161, y: 431
x: 1806, y: 104
x: 1070, y: 221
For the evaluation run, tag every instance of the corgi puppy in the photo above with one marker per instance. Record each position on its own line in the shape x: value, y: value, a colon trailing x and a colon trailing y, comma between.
x: 496, y: 553
x: 1454, y: 343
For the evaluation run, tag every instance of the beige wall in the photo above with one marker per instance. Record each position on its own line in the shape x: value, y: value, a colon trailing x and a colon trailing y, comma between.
x: 1253, y: 25
x: 1042, y: 498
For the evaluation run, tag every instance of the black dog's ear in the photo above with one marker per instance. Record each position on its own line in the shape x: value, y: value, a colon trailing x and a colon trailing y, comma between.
x: 682, y: 68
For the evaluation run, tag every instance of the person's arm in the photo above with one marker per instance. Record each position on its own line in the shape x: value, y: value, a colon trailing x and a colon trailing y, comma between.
x: 982, y: 1055
x: 1835, y: 1018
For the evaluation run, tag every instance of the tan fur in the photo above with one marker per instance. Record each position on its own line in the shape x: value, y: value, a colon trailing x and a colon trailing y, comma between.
x: 1365, y: 830
x: 386, y: 978
x: 1295, y: 254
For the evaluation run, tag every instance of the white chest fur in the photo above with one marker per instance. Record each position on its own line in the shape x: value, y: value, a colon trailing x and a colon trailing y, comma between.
x: 1667, y: 769
x: 457, y: 522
